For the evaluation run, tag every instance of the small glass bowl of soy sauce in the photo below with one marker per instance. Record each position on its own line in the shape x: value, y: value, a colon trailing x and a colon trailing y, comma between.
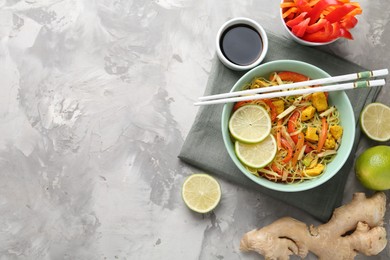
x: 241, y: 44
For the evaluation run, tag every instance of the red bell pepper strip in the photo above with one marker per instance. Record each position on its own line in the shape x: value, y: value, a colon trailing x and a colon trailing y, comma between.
x: 336, y: 31
x: 303, y: 5
x: 324, y: 132
x: 346, y: 34
x: 292, y: 125
x: 290, y: 76
x: 272, y: 108
x: 308, y: 148
x: 349, y: 22
x: 320, y: 36
x: 337, y: 14
x: 298, y: 19
x: 316, y: 26
x: 317, y: 9
x: 298, y: 148
x: 300, y: 29
x: 240, y: 104
x: 289, y: 149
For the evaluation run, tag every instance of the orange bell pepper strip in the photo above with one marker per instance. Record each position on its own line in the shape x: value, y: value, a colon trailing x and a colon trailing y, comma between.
x: 298, y: 148
x: 324, y: 132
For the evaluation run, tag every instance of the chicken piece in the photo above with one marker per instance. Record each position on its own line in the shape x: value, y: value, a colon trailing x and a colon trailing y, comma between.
x: 336, y: 131
x: 279, y: 105
x: 311, y: 134
x: 319, y: 101
x: 330, y: 142
x: 317, y: 170
x: 308, y: 113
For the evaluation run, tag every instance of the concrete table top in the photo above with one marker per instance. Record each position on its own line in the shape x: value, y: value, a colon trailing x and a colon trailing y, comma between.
x: 96, y: 101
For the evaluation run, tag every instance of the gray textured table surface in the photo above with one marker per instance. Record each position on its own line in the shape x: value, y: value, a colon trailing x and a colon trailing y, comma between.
x: 96, y: 100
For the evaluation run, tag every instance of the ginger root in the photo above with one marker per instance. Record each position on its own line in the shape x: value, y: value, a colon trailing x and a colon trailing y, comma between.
x: 353, y: 228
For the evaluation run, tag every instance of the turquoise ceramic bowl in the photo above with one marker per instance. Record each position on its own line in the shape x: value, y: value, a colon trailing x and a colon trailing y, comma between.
x: 338, y: 99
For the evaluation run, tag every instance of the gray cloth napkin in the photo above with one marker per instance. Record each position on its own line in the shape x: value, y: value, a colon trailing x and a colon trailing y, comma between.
x: 204, y: 147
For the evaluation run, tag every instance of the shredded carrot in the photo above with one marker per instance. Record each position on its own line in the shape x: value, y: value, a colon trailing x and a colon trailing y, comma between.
x: 355, y: 11
x: 287, y: 4
x: 289, y: 11
x: 313, y: 2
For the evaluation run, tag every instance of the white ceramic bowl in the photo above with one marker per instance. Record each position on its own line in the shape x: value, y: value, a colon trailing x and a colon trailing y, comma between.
x: 254, y: 25
x: 297, y: 39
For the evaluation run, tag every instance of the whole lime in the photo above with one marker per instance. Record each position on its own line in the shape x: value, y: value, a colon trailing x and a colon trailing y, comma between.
x: 373, y: 168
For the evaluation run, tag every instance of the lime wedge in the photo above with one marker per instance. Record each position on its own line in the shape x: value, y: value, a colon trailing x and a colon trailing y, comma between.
x: 201, y: 192
x: 375, y: 121
x: 257, y: 155
x: 250, y: 124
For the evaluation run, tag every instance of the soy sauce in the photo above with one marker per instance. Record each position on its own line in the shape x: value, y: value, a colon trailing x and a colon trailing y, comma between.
x: 241, y: 44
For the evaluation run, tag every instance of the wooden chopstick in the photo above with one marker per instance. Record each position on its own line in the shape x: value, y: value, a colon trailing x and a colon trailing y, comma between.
x: 328, y: 88
x: 322, y: 81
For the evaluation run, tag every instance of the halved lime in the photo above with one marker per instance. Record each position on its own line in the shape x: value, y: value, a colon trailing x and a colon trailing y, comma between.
x: 250, y: 124
x: 257, y: 155
x: 375, y: 121
x: 201, y: 192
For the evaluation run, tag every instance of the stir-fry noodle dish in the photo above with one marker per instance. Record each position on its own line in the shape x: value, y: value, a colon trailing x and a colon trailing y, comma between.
x: 306, y: 128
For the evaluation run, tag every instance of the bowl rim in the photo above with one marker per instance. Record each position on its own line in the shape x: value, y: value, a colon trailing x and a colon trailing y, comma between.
x: 347, y: 141
x: 296, y: 38
x: 257, y: 27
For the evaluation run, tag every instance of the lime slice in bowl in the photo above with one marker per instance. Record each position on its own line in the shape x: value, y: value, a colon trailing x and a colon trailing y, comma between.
x: 250, y: 124
x: 257, y: 155
x: 201, y: 192
x: 375, y: 121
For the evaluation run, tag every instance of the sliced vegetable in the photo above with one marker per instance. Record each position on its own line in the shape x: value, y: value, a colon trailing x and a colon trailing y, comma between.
x: 279, y: 134
x: 289, y: 149
x: 317, y: 9
x: 291, y: 76
x: 240, y: 104
x: 298, y: 148
x: 300, y: 29
x: 286, y: 112
x: 337, y: 14
x: 320, y: 24
x: 296, y: 20
x: 324, y: 131
x: 321, y: 20
x: 292, y: 125
x: 272, y: 107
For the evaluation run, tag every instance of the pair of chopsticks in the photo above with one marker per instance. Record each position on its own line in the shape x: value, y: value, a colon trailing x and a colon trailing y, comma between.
x: 359, y: 80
